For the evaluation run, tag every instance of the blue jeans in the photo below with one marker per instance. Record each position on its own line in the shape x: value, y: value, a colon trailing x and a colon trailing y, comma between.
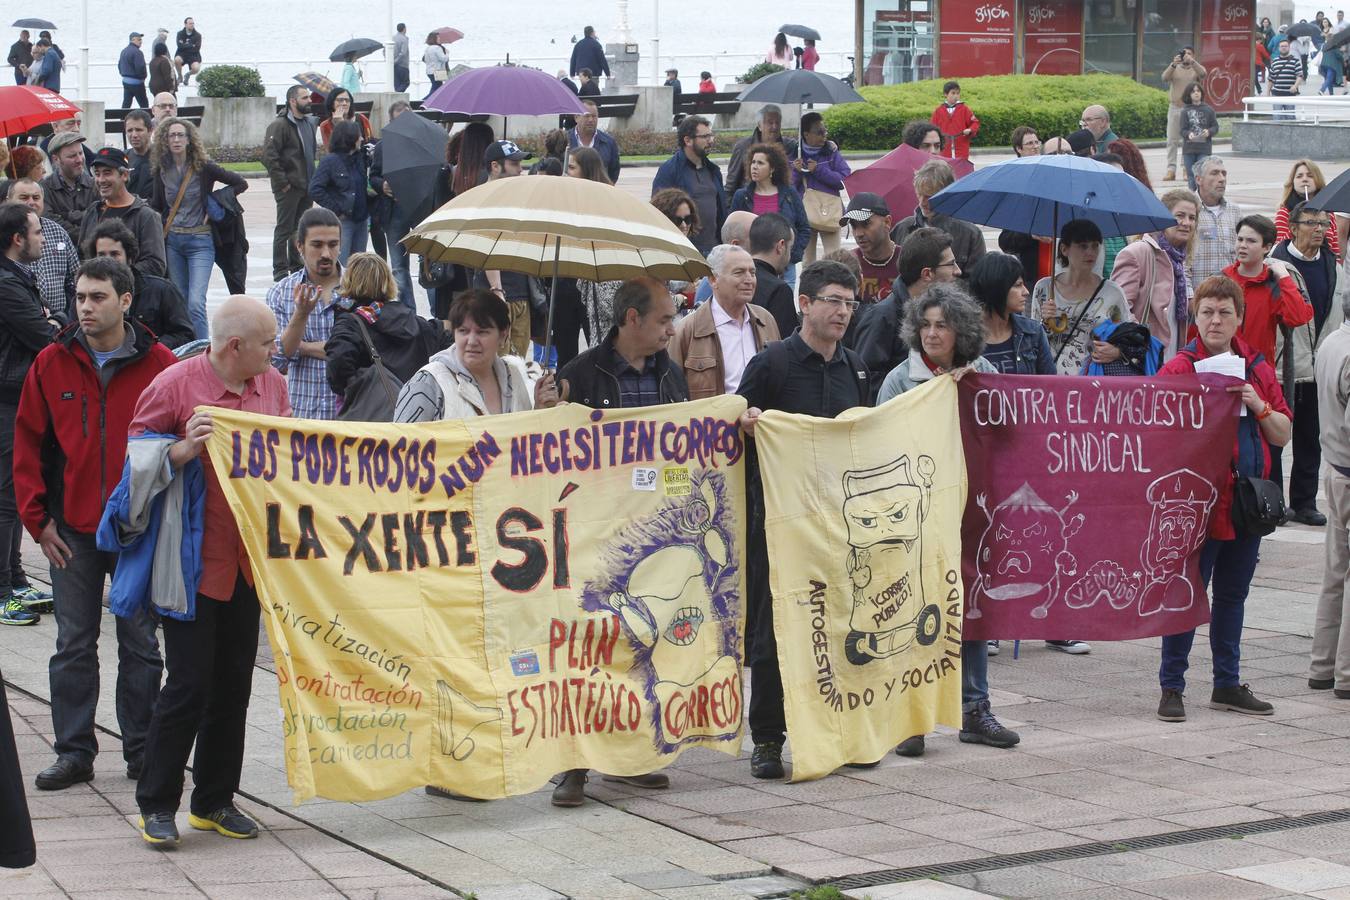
x: 355, y: 232
x: 395, y: 231
x: 974, y: 673
x: 1189, y: 160
x: 1229, y: 565
x: 73, y: 669
x: 191, y: 257
x: 1328, y: 81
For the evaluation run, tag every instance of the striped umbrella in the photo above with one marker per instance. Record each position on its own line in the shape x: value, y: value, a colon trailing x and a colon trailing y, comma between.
x: 557, y: 227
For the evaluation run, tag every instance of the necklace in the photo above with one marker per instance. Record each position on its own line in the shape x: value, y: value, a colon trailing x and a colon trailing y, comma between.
x: 872, y: 262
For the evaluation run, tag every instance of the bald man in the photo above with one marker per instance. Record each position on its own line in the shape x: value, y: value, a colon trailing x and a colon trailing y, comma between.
x: 1098, y: 121
x: 736, y: 232
x: 165, y: 106
x: 208, y: 660
x: 1055, y: 146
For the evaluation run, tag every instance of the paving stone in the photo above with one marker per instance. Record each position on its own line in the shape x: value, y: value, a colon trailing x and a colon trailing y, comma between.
x: 1124, y: 868
x: 1299, y: 875
x: 671, y: 878
x: 1024, y: 881
x: 779, y: 850
x: 924, y: 889
x: 526, y: 890
x: 1207, y: 886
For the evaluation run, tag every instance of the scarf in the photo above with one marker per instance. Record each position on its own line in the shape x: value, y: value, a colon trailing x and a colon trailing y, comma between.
x: 1180, y: 285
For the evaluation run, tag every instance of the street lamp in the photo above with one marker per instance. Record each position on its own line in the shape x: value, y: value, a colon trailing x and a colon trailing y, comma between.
x: 84, y: 50
x: 656, y: 42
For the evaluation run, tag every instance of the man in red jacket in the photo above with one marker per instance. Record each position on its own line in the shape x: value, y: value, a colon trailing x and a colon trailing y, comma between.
x: 78, y: 398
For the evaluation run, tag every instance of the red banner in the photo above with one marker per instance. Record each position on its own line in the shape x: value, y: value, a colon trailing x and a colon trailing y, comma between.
x: 1052, y: 37
x: 1089, y: 500
x: 1226, y: 35
x: 975, y: 37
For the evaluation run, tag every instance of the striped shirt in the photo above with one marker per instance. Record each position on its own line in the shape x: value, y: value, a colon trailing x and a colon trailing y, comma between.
x: 1285, y: 71
x: 306, y: 377
x: 55, y: 270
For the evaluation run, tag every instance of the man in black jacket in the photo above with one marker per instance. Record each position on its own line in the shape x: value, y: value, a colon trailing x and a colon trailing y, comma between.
x: 21, y: 57
x: 770, y: 243
x: 155, y: 302
x: 29, y: 326
x: 288, y: 155
x: 589, y: 54
x: 112, y: 176
x: 69, y: 190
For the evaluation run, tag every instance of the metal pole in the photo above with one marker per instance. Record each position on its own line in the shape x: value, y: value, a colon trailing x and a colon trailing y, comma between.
x: 84, y: 50
x: 656, y: 42
x: 389, y: 46
x: 552, y: 291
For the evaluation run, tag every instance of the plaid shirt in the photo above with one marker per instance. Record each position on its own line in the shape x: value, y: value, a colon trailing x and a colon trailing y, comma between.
x: 1215, y: 241
x: 55, y: 270
x: 306, y: 377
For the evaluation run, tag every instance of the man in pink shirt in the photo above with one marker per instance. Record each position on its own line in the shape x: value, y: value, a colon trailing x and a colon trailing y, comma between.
x: 209, y: 660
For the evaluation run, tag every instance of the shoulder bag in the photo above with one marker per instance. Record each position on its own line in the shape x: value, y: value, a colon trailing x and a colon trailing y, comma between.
x: 823, y: 210
x: 372, y: 393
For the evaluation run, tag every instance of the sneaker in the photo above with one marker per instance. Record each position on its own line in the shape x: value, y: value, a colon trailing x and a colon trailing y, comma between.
x: 911, y: 746
x: 980, y: 727
x: 34, y: 600
x: 159, y: 828
x: 767, y: 761
x: 571, y: 791
x: 1321, y: 684
x: 14, y: 613
x: 65, y: 772
x: 1171, y: 708
x: 1240, y: 699
x: 993, y: 647
x: 1308, y: 517
x: 1171, y: 174
x: 1073, y: 648
x: 228, y: 821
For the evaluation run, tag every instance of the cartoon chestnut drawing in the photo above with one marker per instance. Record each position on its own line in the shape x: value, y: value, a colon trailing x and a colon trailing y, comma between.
x: 1024, y: 550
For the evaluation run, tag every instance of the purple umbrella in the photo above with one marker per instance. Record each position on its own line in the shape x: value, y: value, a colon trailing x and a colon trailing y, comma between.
x: 505, y: 91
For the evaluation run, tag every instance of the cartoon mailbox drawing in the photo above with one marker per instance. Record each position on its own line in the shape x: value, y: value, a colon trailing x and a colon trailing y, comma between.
x: 884, y: 509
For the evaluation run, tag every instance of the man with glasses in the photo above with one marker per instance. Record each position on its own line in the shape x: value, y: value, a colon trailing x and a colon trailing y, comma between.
x: 813, y: 373
x: 587, y: 133
x: 165, y: 106
x: 1098, y: 121
x: 690, y: 170
x: 1307, y: 254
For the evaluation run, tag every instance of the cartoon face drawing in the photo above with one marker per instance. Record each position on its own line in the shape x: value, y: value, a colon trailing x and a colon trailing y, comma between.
x: 666, y: 604
x: 1024, y: 549
x: 1181, y: 502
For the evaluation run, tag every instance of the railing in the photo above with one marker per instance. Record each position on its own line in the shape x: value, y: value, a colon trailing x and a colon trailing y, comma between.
x: 1302, y: 110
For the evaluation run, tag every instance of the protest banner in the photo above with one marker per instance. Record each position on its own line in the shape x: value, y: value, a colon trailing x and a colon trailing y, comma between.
x: 863, y: 519
x: 481, y: 604
x: 1090, y: 499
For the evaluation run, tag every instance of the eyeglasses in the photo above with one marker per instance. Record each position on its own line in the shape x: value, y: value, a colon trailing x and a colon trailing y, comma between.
x: 682, y: 220
x: 706, y: 136
x: 943, y: 265
x: 177, y: 136
x: 1314, y: 223
x: 850, y: 305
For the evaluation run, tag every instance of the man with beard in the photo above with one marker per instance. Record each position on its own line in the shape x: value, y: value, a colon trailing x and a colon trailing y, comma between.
x: 288, y: 156
x: 690, y: 170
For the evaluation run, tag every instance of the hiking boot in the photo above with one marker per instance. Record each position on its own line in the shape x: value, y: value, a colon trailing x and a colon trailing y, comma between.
x: 1240, y: 699
x: 34, y: 600
x: 159, y: 828
x: 651, y: 781
x: 1073, y: 648
x: 980, y: 727
x: 1171, y: 708
x: 1321, y: 684
x: 911, y: 746
x: 65, y: 772
x: 571, y: 791
x: 14, y: 613
x: 993, y: 647
x: 228, y: 821
x: 1170, y: 176
x: 767, y: 761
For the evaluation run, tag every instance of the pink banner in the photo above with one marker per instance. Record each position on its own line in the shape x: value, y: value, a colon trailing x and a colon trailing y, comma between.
x: 1089, y: 500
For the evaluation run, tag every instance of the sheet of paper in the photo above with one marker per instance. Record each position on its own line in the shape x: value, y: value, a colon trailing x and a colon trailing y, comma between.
x: 1225, y: 364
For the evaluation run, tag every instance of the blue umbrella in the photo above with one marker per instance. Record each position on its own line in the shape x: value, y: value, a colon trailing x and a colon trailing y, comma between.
x: 1037, y: 194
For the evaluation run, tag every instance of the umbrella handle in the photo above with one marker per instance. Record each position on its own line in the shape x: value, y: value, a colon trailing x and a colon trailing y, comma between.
x: 552, y: 298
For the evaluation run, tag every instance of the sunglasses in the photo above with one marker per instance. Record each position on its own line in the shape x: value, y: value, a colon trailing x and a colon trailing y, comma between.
x: 682, y: 220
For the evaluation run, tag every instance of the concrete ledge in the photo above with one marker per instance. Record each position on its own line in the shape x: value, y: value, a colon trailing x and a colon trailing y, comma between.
x: 1292, y: 140
x: 236, y: 121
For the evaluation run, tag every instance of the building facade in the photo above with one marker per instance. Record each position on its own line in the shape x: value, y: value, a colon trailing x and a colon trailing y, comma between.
x: 910, y: 40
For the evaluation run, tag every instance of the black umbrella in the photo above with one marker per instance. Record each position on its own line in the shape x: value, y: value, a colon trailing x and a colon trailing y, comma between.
x: 413, y: 152
x: 356, y: 47
x: 1335, y: 197
x: 34, y: 23
x: 799, y: 86
x: 805, y: 32
x: 1303, y: 29
x: 1337, y: 39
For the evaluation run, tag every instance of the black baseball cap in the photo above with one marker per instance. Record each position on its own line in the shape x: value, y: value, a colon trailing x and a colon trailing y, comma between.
x: 864, y: 206
x: 111, y: 157
x: 500, y: 150
x: 135, y: 34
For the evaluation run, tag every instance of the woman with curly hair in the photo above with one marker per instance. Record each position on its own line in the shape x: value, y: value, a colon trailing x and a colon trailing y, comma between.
x: 679, y: 208
x: 768, y: 188
x: 184, y: 177
x: 1132, y: 161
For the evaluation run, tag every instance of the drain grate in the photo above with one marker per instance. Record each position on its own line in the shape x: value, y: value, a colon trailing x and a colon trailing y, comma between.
x: 1100, y: 848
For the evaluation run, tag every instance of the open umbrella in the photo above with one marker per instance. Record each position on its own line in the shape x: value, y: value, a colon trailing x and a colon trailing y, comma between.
x: 412, y: 152
x: 356, y: 47
x: 448, y: 35
x: 505, y: 91
x: 23, y: 107
x: 805, y: 32
x: 316, y: 83
x: 557, y: 227
x: 1335, y: 197
x: 1303, y: 29
x: 39, y: 24
x: 892, y: 177
x: 1337, y: 39
x: 799, y: 86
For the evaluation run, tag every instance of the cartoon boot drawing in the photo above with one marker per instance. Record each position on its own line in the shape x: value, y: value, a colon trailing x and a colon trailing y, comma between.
x: 884, y: 509
x: 1181, y: 501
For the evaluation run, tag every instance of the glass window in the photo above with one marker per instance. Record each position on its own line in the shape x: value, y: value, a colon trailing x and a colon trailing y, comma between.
x: 1109, y: 36
x: 898, y: 41
x: 1168, y: 26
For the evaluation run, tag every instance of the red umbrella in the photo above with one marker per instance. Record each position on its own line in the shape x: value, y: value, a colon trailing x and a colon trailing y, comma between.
x: 892, y: 177
x: 23, y: 108
x: 448, y: 35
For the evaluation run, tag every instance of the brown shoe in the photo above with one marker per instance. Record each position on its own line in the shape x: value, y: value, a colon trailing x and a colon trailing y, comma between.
x: 1171, y: 174
x: 571, y: 791
x: 652, y: 780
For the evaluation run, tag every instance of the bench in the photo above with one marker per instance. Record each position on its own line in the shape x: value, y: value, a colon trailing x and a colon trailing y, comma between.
x: 614, y: 106
x: 442, y: 118
x: 722, y: 102
x: 113, y: 118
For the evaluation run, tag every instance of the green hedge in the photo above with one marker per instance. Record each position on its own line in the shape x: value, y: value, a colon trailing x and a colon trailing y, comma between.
x: 1052, y: 104
x: 230, y: 81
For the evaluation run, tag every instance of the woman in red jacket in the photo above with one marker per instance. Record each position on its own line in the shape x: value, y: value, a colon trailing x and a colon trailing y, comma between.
x: 956, y: 122
x: 1228, y: 559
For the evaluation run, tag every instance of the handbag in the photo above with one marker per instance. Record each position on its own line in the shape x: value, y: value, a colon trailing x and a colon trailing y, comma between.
x: 1258, y: 505
x: 373, y: 392
x: 823, y: 210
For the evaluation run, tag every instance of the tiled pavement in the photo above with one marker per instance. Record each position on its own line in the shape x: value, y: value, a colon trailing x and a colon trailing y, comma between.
x: 1094, y: 765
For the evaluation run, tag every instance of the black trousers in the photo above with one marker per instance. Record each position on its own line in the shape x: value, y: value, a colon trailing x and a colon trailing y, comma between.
x: 205, y: 698
x: 17, y: 850
x: 402, y: 78
x: 569, y: 318
x: 134, y: 92
x: 285, y: 255
x: 768, y: 722
x: 1307, y: 443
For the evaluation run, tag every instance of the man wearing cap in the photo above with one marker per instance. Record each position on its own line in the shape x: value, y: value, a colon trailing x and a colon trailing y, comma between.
x: 55, y: 270
x: 673, y: 81
x: 1082, y: 142
x: 502, y: 160
x: 131, y: 66
x: 112, y: 172
x: 69, y: 190
x: 878, y: 256
x: 71, y: 125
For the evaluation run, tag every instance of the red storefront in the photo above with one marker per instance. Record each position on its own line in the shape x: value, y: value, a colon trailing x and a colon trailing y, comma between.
x: 910, y: 40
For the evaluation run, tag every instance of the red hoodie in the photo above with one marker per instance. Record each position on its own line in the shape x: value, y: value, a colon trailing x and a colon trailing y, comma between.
x: 952, y: 120
x: 72, y: 424
x: 1263, y: 314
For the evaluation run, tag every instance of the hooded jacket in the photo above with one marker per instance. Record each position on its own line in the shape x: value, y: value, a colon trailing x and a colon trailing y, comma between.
x: 26, y: 328
x: 144, y: 223
x: 158, y: 305
x: 404, y: 340
x: 82, y: 413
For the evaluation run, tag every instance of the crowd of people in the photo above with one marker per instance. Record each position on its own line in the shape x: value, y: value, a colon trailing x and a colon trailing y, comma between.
x: 88, y: 361
x: 41, y: 63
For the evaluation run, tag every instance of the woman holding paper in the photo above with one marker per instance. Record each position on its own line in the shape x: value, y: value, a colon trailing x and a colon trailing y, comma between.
x: 1228, y: 558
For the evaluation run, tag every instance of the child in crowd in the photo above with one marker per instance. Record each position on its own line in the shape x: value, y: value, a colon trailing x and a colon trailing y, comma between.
x: 956, y: 122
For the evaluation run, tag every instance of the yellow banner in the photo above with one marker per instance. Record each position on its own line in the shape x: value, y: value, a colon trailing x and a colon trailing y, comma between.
x: 481, y: 604
x: 867, y: 603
